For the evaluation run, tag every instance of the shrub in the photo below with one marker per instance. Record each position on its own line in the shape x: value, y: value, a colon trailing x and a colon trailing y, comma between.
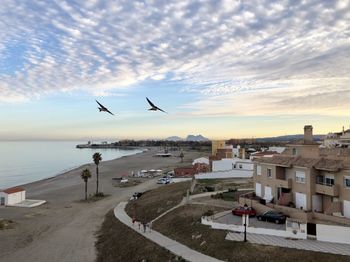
x: 208, y: 213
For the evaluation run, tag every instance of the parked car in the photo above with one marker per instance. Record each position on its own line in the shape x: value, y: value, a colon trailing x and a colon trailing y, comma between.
x: 272, y: 216
x: 239, y: 211
x: 163, y: 181
x: 124, y: 180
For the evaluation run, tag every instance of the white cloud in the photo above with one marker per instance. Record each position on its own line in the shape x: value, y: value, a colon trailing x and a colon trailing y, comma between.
x: 258, y: 50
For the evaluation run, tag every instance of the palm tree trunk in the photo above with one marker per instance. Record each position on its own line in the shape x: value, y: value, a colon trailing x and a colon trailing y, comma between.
x: 96, y: 179
x: 86, y: 190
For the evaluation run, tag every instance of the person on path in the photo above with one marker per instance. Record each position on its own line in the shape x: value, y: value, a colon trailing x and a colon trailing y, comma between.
x: 139, y: 225
x: 144, y: 227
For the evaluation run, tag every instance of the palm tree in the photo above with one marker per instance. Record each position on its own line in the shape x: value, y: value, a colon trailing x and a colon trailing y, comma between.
x: 85, y: 175
x: 182, y: 156
x: 97, y: 158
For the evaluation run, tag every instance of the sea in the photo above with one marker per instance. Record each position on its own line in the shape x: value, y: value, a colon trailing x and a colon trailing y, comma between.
x: 28, y: 161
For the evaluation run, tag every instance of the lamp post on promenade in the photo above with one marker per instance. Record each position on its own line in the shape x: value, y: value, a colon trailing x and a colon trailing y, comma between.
x: 245, y: 222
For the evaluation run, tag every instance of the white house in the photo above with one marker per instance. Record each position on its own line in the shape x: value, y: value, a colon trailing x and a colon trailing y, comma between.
x: 226, y: 164
x: 12, y: 196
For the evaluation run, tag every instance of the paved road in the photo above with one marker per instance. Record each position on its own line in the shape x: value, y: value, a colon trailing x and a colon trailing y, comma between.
x: 305, y: 244
x: 173, y: 246
x: 228, y: 218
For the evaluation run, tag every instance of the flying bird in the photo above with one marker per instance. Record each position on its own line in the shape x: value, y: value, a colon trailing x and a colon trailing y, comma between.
x: 102, y: 108
x: 154, y: 107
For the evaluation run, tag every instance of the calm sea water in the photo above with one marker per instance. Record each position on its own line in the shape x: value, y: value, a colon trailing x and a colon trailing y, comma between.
x: 24, y: 162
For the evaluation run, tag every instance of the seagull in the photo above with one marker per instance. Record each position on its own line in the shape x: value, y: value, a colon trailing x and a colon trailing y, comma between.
x: 153, y: 107
x: 102, y: 108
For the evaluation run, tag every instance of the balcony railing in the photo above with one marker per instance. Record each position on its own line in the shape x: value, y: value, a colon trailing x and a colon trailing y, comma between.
x: 287, y: 183
x: 327, y: 189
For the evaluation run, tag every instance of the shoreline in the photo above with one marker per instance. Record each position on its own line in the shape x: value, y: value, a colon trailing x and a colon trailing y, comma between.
x: 73, y: 169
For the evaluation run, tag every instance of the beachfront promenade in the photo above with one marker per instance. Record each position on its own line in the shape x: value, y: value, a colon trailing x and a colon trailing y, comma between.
x: 171, y: 245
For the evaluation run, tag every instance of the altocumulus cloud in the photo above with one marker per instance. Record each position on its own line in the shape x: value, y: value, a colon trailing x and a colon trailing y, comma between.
x: 257, y: 57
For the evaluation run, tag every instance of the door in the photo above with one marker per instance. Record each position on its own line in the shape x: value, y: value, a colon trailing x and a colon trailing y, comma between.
x: 317, y: 203
x: 258, y: 189
x: 300, y: 200
x: 2, y: 201
x: 311, y: 229
x: 268, y: 193
x: 346, y: 206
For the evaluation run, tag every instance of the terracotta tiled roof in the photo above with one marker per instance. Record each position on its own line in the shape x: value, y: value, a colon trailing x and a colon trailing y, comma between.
x: 329, y: 164
x: 277, y: 160
x: 305, y: 162
x: 13, y: 190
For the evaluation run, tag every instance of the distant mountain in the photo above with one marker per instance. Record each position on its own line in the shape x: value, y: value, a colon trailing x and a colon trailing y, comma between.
x: 174, y: 138
x: 196, y: 138
x: 288, y: 138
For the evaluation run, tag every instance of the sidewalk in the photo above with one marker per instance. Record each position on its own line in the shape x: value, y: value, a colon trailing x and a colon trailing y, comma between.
x: 173, y: 246
x: 312, y: 245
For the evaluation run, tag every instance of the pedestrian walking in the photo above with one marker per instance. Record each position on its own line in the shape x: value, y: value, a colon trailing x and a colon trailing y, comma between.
x: 144, y: 227
x: 139, y: 225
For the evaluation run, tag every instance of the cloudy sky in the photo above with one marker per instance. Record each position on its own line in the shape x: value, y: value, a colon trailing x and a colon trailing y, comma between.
x: 230, y: 68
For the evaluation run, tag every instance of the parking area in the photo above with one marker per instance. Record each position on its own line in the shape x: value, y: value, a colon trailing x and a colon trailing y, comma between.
x: 229, y: 218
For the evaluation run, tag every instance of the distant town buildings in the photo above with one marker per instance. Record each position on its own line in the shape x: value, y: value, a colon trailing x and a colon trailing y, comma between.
x: 338, y: 139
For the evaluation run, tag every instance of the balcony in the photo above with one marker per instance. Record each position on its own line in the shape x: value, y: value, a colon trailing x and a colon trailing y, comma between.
x: 327, y: 189
x: 285, y: 183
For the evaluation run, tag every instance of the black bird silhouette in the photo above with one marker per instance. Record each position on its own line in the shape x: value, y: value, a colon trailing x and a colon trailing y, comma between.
x: 103, y: 108
x: 154, y: 107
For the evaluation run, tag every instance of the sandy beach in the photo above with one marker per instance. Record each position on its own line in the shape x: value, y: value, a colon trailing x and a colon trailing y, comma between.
x: 64, y: 228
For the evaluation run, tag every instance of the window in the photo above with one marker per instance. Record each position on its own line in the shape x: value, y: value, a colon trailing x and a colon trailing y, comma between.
x: 300, y: 177
x: 258, y: 170
x: 347, y: 181
x: 269, y: 172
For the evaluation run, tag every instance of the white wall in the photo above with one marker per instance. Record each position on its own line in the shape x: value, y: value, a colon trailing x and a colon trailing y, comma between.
x: 16, y: 198
x: 336, y: 234
x: 229, y: 163
x: 254, y: 230
x: 346, y: 207
x: 226, y: 174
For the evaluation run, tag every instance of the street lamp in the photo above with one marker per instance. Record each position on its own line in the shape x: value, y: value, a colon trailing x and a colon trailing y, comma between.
x: 245, y: 222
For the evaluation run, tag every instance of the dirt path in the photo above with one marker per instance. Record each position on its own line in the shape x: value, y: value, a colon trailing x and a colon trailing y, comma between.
x: 64, y: 228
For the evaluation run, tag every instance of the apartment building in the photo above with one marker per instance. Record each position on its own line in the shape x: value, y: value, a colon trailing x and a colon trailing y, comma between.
x: 306, y: 177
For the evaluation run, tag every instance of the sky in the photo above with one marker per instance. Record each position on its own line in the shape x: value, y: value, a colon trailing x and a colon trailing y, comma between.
x: 223, y: 69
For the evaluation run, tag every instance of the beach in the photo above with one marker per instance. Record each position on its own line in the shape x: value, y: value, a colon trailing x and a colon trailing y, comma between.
x: 64, y: 228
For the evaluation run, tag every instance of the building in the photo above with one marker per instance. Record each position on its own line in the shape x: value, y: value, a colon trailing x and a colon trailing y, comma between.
x: 12, y: 196
x: 220, y: 149
x: 337, y: 139
x: 231, y: 164
x: 190, y: 171
x: 306, y: 177
x: 239, y: 152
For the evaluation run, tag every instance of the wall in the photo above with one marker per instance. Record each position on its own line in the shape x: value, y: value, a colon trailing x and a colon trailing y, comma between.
x: 16, y: 198
x: 228, y: 164
x: 335, y: 234
x: 225, y: 174
x: 253, y: 230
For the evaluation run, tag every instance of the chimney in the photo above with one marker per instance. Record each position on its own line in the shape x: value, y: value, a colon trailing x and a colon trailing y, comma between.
x: 308, y: 134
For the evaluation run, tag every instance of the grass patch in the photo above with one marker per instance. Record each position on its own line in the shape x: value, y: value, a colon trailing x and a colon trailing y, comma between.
x: 6, y: 224
x: 116, y: 242
x: 231, y: 195
x: 210, y: 185
x: 184, y: 225
x: 94, y: 198
x: 155, y: 202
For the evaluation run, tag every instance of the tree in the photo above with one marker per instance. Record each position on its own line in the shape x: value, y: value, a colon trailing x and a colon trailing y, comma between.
x: 97, y: 158
x: 85, y: 175
x: 182, y: 156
